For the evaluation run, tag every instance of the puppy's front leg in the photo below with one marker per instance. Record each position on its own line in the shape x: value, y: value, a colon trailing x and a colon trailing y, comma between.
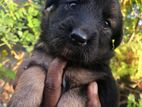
x: 29, y: 89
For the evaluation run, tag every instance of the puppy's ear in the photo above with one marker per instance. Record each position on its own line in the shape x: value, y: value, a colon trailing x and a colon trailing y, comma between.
x: 50, y: 3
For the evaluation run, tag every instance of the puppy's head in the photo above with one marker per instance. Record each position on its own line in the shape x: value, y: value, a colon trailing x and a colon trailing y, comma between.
x: 82, y: 30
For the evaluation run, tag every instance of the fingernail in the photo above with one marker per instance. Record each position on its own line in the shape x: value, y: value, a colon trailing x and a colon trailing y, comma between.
x: 94, y: 88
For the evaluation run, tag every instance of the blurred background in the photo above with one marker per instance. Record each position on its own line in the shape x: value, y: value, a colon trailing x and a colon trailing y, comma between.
x: 20, y: 29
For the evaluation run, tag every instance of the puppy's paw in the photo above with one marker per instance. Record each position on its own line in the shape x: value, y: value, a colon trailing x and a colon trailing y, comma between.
x: 38, y: 59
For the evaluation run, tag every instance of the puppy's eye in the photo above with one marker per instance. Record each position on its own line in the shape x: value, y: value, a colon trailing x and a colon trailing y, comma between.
x: 107, y: 24
x: 72, y: 4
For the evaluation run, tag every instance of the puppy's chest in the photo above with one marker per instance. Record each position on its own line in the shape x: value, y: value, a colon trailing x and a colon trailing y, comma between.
x: 77, y: 77
x: 75, y: 81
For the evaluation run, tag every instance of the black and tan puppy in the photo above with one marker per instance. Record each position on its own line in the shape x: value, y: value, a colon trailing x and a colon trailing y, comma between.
x: 84, y: 33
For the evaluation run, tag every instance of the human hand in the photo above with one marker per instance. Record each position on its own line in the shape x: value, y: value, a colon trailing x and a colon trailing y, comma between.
x: 52, y: 91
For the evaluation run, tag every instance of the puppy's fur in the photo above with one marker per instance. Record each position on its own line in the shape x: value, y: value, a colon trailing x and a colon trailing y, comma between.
x: 101, y: 22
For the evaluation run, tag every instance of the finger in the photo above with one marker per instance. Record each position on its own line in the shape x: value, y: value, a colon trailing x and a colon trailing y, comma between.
x: 53, y: 82
x: 93, y: 97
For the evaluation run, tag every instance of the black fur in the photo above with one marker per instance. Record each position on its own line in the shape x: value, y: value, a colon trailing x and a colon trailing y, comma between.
x: 101, y: 20
x: 89, y: 16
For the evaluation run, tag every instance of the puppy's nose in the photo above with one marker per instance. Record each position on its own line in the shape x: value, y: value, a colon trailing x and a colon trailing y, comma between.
x: 79, y: 37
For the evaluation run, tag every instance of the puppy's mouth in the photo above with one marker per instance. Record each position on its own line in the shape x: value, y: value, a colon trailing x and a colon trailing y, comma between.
x: 66, y: 52
x: 74, y: 52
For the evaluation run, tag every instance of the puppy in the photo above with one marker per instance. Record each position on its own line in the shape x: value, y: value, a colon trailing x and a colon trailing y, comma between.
x: 85, y: 34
